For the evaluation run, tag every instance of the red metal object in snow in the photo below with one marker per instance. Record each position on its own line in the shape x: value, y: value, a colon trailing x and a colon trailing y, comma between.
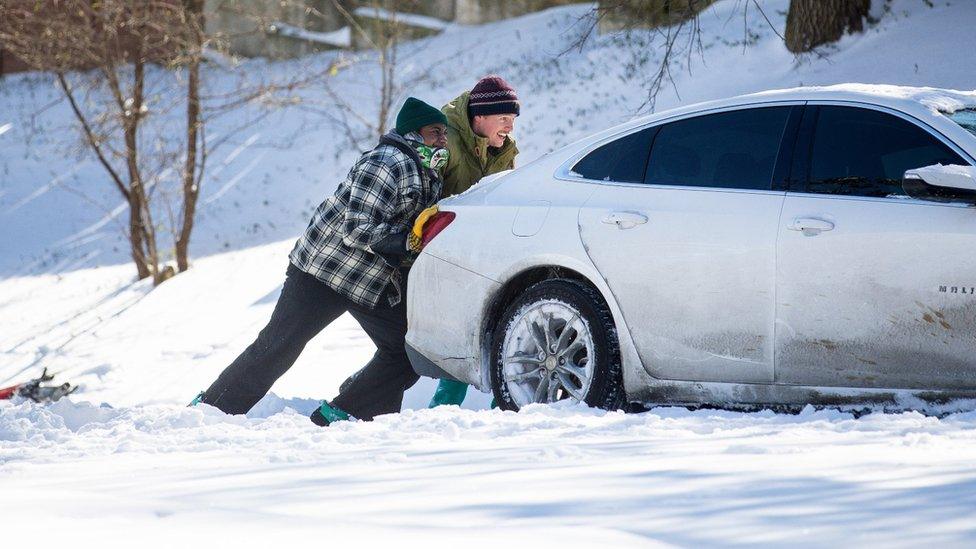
x: 8, y: 392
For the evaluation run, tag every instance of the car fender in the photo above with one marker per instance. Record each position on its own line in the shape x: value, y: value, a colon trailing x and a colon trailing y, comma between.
x: 635, y: 374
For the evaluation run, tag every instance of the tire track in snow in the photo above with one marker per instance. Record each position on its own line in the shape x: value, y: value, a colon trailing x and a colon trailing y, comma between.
x: 40, y: 191
x: 250, y: 141
x: 234, y: 180
x: 83, y: 321
x: 233, y: 154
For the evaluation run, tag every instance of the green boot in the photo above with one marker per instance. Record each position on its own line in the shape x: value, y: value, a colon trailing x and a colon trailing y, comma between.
x: 196, y: 400
x: 327, y: 414
x: 448, y: 392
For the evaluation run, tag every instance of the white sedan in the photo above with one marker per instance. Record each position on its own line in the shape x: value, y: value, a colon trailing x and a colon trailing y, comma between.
x: 813, y: 245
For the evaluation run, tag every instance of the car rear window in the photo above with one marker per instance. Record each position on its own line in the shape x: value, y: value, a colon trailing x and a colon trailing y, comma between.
x: 623, y: 160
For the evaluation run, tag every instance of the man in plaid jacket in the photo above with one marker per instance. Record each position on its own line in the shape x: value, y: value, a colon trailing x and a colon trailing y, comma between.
x: 351, y: 258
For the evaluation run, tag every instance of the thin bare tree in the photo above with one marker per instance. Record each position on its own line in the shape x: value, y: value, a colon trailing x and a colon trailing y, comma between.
x: 114, y: 41
x: 193, y: 167
x: 105, y: 49
x: 379, y: 35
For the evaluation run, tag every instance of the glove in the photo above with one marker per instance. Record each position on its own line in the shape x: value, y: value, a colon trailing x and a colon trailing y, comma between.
x: 392, y: 249
x: 414, y: 241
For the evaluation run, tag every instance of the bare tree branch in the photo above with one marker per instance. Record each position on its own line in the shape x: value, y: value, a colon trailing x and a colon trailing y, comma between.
x: 93, y: 142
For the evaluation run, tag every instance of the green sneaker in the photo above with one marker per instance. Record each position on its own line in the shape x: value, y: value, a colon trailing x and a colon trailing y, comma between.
x: 327, y: 414
x: 448, y: 392
x: 196, y: 400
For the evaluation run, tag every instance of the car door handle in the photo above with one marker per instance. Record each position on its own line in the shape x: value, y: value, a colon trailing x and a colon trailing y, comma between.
x: 811, y: 225
x: 625, y: 220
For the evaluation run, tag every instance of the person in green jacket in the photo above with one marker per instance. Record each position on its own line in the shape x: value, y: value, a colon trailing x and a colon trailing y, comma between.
x: 479, y: 127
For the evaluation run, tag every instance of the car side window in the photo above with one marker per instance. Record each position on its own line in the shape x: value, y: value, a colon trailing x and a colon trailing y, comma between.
x: 728, y: 150
x: 863, y: 152
x: 622, y: 160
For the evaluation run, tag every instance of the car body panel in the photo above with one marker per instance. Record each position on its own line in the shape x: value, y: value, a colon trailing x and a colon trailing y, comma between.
x: 859, y: 305
x: 695, y: 282
x: 867, y: 303
x: 457, y: 347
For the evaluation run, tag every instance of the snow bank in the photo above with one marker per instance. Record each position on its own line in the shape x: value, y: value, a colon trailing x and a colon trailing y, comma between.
x: 562, y: 475
x: 411, y: 19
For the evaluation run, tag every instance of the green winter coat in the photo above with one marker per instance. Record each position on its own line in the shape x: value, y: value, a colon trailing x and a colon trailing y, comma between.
x: 470, y: 160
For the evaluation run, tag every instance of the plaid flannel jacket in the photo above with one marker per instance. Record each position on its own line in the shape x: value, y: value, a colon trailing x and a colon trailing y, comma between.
x: 384, y: 192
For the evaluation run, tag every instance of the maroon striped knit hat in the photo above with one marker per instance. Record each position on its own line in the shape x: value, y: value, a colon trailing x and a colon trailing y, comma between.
x: 492, y: 95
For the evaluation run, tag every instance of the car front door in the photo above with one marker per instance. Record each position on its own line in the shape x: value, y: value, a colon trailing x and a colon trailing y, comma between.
x: 687, y: 245
x: 874, y: 289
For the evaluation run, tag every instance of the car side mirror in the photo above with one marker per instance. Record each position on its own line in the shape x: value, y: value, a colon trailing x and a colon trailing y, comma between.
x: 951, y: 183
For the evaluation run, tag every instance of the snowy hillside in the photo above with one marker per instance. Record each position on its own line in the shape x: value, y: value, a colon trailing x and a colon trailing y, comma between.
x: 124, y: 455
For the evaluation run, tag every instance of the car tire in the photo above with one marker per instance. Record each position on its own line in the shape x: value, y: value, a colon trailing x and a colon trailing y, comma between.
x: 581, y: 359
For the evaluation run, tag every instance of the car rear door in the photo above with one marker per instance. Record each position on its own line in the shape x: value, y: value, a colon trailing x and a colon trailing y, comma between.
x: 874, y: 289
x: 687, y: 245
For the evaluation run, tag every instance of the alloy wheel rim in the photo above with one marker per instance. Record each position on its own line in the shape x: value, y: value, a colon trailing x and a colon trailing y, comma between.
x: 547, y: 355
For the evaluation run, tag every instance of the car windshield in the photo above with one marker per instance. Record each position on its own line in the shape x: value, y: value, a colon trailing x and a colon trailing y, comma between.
x: 965, y: 118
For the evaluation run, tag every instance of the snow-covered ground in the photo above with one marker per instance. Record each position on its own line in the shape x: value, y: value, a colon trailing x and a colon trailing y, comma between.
x: 124, y: 460
x: 547, y: 477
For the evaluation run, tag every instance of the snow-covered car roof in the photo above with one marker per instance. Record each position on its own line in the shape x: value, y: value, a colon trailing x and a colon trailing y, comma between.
x: 921, y: 102
x: 908, y: 98
x: 902, y: 98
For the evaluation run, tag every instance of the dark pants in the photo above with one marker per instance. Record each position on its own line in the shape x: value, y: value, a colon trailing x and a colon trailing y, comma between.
x: 305, y: 307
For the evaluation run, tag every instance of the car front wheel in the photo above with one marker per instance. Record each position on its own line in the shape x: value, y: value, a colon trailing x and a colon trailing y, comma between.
x: 556, y: 341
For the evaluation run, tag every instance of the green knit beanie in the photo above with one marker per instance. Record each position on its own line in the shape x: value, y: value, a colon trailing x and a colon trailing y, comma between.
x: 416, y: 114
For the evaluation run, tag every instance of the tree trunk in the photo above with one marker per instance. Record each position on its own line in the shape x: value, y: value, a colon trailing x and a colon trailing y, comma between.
x: 191, y: 187
x: 387, y: 68
x: 117, y: 38
x: 142, y: 234
x: 140, y: 214
x: 135, y: 237
x: 811, y: 23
